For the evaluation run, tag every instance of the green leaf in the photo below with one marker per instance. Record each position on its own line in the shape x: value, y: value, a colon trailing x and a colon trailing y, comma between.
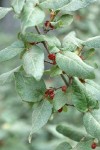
x: 93, y: 42
x: 41, y: 115
x: 82, y: 98
x: 51, y: 40
x: 79, y: 96
x: 31, y: 16
x: 84, y: 145
x: 70, y: 42
x: 61, y: 98
x: 76, y: 4
x: 64, y: 146
x: 93, y: 88
x: 89, y: 54
x: 33, y: 62
x: 54, y: 4
x: 17, y: 5
x: 11, y: 51
x: 92, y: 123
x: 74, y: 66
x: 8, y: 76
x: 55, y: 71
x: 72, y: 132
x: 63, y: 21
x: 29, y: 89
x: 4, y: 11
x: 34, y: 2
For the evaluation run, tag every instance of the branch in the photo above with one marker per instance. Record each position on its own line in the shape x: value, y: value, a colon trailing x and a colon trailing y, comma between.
x: 44, y: 42
x: 64, y: 79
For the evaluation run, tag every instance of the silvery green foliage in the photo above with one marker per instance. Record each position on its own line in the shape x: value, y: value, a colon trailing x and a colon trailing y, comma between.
x: 66, y: 56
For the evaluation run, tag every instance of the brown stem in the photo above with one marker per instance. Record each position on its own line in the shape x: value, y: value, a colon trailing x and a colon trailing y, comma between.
x: 48, y: 62
x: 44, y: 42
x: 64, y: 79
x: 70, y: 105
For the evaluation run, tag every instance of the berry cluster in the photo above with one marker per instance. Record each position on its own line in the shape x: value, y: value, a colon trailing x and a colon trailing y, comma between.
x: 50, y: 93
x: 53, y: 58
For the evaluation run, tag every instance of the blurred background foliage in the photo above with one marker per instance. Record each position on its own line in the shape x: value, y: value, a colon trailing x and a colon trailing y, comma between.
x: 15, y: 115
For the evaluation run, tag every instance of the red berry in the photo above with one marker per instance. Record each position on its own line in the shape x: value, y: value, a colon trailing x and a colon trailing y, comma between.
x: 47, y: 23
x: 50, y: 91
x: 60, y: 110
x: 52, y: 96
x: 94, y: 145
x: 52, y: 56
x: 64, y: 88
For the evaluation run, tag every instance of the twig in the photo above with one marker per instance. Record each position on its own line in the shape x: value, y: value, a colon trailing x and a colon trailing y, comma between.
x: 44, y: 42
x: 70, y: 105
x: 64, y: 79
x: 48, y: 62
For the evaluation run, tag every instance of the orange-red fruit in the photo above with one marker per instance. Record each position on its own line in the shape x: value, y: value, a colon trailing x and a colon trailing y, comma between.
x: 52, y: 56
x: 94, y: 145
x: 60, y: 110
x: 52, y: 96
x: 64, y: 88
x: 47, y: 23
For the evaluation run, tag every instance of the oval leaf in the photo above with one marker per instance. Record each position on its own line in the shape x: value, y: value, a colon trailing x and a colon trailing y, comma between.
x: 8, y: 76
x: 64, y: 146
x: 31, y: 16
x: 33, y: 62
x: 28, y: 88
x: 4, y: 11
x: 40, y: 115
x: 93, y: 42
x: 11, y: 51
x: 92, y: 123
x: 74, y: 66
x: 72, y: 132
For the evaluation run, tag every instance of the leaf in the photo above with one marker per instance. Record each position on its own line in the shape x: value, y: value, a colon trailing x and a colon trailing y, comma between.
x: 81, y: 98
x: 28, y: 88
x: 64, y: 146
x: 4, y: 11
x: 17, y: 5
x: 54, y: 4
x: 55, y: 71
x: 74, y: 66
x: 70, y: 42
x: 8, y: 76
x: 93, y: 42
x: 61, y: 98
x: 40, y: 115
x: 93, y: 88
x: 11, y: 51
x: 51, y: 40
x: 72, y: 132
x: 92, y: 123
x: 84, y: 145
x: 76, y: 4
x: 89, y: 54
x: 31, y: 16
x: 33, y: 62
x: 63, y: 21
